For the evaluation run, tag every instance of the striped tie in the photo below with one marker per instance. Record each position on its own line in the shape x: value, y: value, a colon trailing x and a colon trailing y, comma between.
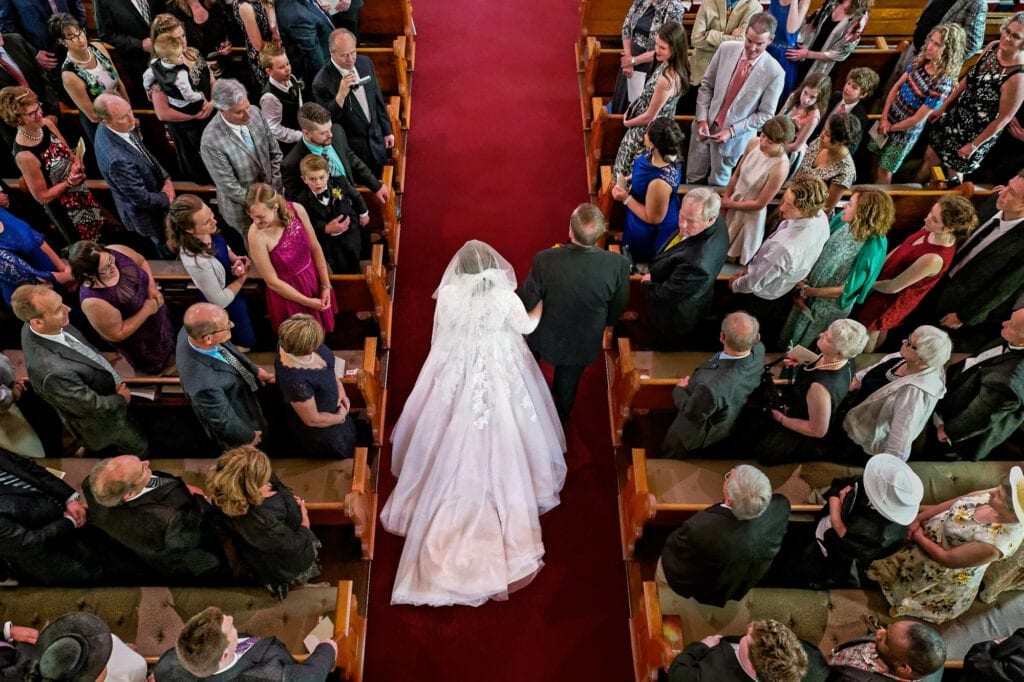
x: 230, y: 358
x: 13, y: 481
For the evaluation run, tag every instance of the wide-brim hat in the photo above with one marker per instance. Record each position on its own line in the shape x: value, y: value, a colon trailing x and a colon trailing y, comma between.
x: 893, y: 488
x: 73, y: 648
x: 1017, y: 492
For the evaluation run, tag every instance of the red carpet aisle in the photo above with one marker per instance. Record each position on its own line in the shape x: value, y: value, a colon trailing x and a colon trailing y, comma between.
x: 497, y: 155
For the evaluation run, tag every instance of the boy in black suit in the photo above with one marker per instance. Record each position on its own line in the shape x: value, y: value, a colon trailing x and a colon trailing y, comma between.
x: 337, y: 212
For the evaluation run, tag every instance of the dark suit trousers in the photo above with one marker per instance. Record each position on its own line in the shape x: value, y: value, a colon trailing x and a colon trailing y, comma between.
x: 563, y: 388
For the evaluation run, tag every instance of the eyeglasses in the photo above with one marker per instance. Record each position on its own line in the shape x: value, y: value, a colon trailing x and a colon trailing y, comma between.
x: 74, y: 36
x: 30, y: 113
x: 1011, y: 34
x: 231, y: 325
x: 906, y: 342
x: 111, y: 266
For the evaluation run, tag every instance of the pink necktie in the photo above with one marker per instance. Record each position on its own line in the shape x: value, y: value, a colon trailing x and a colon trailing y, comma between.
x: 739, y: 76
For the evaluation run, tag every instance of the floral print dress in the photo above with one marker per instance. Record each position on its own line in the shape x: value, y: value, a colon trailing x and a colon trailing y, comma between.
x: 919, y: 587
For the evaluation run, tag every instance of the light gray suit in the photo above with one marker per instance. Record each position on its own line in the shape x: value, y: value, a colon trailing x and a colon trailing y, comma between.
x: 234, y: 168
x: 755, y: 103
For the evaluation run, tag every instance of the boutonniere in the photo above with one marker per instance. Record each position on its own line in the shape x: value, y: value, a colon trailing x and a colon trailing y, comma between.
x: 336, y: 193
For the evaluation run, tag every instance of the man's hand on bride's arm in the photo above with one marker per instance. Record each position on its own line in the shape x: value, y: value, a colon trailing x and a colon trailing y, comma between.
x: 537, y: 310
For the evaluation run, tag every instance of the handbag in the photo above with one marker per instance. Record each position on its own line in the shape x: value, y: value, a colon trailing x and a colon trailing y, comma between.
x: 767, y: 396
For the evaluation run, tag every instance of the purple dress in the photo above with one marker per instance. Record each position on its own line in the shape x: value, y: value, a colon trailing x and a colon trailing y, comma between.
x: 293, y: 263
x: 148, y: 349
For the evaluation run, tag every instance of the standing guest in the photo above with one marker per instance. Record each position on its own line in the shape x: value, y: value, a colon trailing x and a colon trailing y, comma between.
x: 210, y: 645
x: 125, y: 25
x: 141, y: 187
x: 786, y: 257
x: 739, y: 92
x: 652, y: 201
x: 345, y: 14
x: 639, y: 28
x: 982, y: 104
x: 23, y: 70
x: 666, y: 83
x: 25, y: 258
x: 281, y: 96
x: 216, y: 270
x: 709, y: 401
x: 848, y: 266
x: 724, y: 550
x: 758, y: 177
x: 863, y: 518
x: 30, y: 20
x: 207, y: 29
x: 337, y: 212
x: 717, y: 21
x: 830, y: 35
x: 267, y: 524
x: 805, y: 107
x: 904, y: 650
x: 220, y: 382
x: 88, y: 70
x: 258, y: 21
x: 54, y: 174
x: 122, y: 302
x: 358, y: 108
x: 790, y: 15
x: 305, y: 32
x: 830, y: 157
x: 584, y: 288
x: 28, y: 420
x: 920, y: 91
x: 915, y: 266
x: 309, y: 383
x: 860, y: 85
x: 72, y: 376
x: 937, y: 575
x: 287, y: 255
x: 239, y: 151
x: 679, y: 287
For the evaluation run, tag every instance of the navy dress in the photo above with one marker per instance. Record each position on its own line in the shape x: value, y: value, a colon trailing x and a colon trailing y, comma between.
x: 297, y: 384
x: 645, y: 239
x: 238, y: 310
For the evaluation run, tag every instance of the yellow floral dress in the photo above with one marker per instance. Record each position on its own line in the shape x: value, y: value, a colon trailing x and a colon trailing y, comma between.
x: 917, y: 586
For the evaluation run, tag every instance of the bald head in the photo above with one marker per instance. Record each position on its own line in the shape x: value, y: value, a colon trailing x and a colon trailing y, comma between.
x: 1013, y: 328
x: 203, y: 323
x: 115, y: 112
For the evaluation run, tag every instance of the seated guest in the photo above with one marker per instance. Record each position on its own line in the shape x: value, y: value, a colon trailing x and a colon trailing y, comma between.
x: 215, y: 269
x: 121, y: 300
x: 79, y: 647
x: 165, y: 522
x: 267, y: 525
x: 799, y: 430
x: 337, y: 212
x: 72, y: 376
x: 830, y: 159
x: 682, y: 275
x: 937, y: 575
x: 984, y: 401
x: 786, y: 256
x: 1000, y: 660
x: 652, y: 201
x: 305, y: 369
x: 281, y: 96
x: 905, y: 650
x: 863, y: 518
x: 890, y: 401
x: 209, y: 644
x: 25, y: 258
x: 769, y: 652
x: 710, y: 400
x: 219, y: 381
x: 721, y: 552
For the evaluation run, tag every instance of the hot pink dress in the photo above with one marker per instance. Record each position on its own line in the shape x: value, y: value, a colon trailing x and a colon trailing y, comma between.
x: 293, y: 262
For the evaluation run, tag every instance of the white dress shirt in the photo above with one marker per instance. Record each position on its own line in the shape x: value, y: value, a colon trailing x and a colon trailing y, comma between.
x: 785, y: 258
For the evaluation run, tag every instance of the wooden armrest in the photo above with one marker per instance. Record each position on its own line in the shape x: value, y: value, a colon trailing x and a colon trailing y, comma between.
x: 349, y: 633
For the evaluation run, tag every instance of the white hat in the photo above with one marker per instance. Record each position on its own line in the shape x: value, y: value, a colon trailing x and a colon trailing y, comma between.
x: 893, y: 488
x: 1017, y: 492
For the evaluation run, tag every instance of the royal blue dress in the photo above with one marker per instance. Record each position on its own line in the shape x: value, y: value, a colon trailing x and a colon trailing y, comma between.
x: 243, y: 333
x: 644, y: 239
x: 21, y: 259
x: 783, y: 41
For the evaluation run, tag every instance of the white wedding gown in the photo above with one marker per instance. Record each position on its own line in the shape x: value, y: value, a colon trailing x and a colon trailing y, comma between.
x: 479, y: 455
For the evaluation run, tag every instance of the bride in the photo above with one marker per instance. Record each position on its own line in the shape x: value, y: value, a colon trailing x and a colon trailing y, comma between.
x: 478, y: 449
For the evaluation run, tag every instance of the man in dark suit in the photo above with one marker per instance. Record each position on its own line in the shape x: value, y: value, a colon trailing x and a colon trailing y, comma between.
x: 984, y: 401
x: 711, y: 399
x: 584, y: 288
x: 305, y: 33
x: 682, y: 275
x: 358, y: 108
x: 721, y: 552
x: 141, y: 187
x: 18, y: 66
x: 320, y: 136
x: 905, y: 650
x: 72, y: 376
x: 210, y: 647
x: 220, y: 382
x: 164, y: 522
x: 28, y: 18
x: 125, y: 25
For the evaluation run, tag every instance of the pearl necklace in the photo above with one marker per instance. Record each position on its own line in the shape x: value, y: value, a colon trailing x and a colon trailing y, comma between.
x: 303, y: 360
x: 82, y: 62
x: 891, y: 374
x: 829, y: 365
x: 34, y: 138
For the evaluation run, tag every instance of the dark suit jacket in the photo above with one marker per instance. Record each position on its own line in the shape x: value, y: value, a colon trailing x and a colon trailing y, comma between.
x: 342, y: 251
x: 119, y: 23
x: 583, y: 289
x: 356, y: 171
x: 712, y: 401
x: 223, y: 403
x: 991, y: 662
x: 700, y: 663
x: 715, y: 558
x: 24, y: 55
x: 682, y: 281
x: 29, y: 17
x: 984, y: 405
x: 267, y: 661
x: 135, y: 181
x: 989, y: 281
x: 169, y: 529
x: 859, y: 111
x: 82, y: 392
x: 365, y: 136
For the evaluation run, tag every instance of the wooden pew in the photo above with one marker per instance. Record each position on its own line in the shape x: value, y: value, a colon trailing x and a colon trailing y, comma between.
x: 392, y: 69
x: 399, y: 151
x: 381, y: 21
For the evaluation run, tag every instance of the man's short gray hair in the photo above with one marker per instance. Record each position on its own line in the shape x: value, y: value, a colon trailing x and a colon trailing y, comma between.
x: 749, y: 492
x: 849, y: 337
x: 933, y: 345
x: 710, y: 201
x: 741, y: 331
x: 227, y: 92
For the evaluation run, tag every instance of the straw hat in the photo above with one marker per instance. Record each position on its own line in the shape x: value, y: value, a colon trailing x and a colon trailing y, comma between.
x: 893, y: 488
x: 73, y: 648
x: 1017, y: 489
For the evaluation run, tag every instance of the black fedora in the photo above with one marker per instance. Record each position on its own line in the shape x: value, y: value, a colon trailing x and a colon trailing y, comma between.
x: 73, y: 648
